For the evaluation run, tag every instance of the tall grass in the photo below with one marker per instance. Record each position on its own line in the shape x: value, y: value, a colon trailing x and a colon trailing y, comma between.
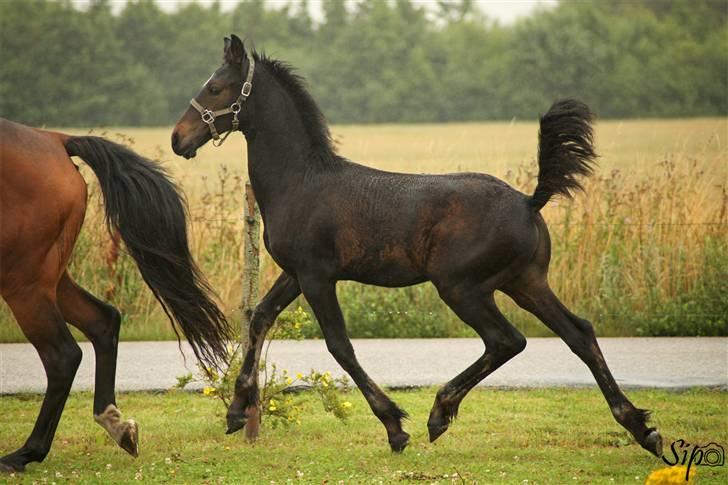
x: 644, y: 251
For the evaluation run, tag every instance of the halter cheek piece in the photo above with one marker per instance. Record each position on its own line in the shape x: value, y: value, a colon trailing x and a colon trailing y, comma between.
x: 209, y: 116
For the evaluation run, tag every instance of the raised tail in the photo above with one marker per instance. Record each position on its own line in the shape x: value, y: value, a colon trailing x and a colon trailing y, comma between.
x: 565, y: 150
x: 149, y: 212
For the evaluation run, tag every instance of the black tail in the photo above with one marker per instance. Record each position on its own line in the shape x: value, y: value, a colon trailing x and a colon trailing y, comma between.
x: 149, y: 212
x: 565, y: 150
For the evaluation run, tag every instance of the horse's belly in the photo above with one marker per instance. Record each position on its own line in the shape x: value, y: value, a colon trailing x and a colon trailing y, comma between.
x: 387, y: 278
x: 388, y: 266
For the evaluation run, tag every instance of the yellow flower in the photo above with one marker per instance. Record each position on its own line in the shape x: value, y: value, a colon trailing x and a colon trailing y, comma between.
x: 674, y: 475
x: 299, y: 376
x: 272, y: 408
x: 346, y: 404
x: 289, y: 381
x: 209, y: 391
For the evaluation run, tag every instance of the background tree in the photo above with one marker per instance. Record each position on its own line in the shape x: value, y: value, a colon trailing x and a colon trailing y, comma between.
x: 367, y: 62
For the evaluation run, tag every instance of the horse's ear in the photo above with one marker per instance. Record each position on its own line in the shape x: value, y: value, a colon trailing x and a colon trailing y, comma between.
x: 234, y: 50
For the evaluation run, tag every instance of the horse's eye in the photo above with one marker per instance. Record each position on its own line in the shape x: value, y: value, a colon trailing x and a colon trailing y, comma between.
x: 214, y: 90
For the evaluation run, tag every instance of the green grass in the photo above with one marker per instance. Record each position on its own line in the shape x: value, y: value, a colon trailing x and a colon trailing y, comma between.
x: 500, y: 436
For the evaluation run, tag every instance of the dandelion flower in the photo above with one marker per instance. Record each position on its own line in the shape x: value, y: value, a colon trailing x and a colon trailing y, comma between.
x: 673, y: 475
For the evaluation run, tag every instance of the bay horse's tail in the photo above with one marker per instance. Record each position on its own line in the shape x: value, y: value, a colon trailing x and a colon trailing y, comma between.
x: 149, y: 212
x: 565, y: 150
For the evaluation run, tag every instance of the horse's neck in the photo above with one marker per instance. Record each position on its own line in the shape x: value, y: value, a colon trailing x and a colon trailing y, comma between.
x: 277, y: 154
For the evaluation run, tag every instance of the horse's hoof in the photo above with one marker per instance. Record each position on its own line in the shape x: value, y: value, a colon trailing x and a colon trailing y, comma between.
x: 235, y: 422
x: 437, y: 424
x: 399, y: 442
x: 653, y: 443
x: 10, y: 467
x: 436, y: 430
x: 129, y: 440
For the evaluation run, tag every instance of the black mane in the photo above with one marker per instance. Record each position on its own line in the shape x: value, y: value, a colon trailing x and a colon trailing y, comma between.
x: 323, y: 153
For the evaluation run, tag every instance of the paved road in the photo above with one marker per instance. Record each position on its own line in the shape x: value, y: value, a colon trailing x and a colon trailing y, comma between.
x: 638, y: 362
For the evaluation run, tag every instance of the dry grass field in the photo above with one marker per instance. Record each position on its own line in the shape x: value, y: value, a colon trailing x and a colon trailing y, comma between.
x: 642, y: 252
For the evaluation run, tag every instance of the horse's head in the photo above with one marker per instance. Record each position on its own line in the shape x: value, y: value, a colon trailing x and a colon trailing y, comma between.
x: 219, y: 107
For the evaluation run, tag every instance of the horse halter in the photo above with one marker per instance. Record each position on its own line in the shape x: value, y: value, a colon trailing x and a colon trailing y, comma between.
x: 209, y: 116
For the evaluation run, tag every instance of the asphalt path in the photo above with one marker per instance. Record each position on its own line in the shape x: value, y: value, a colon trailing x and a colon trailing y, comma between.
x: 546, y: 362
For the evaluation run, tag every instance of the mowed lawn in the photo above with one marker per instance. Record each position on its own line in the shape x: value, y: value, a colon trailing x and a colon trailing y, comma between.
x: 500, y: 436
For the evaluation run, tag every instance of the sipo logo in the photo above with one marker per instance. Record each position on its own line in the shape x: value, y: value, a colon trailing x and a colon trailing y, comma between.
x: 683, y: 453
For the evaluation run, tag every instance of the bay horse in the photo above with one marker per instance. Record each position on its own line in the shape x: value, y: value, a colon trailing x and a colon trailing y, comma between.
x: 328, y: 219
x: 42, y: 207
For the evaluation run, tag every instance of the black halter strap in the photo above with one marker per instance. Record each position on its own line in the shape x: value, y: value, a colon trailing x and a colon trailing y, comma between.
x: 209, y: 116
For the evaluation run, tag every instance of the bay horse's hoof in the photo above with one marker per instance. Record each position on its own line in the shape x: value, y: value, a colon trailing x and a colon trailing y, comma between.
x: 129, y: 440
x: 399, y: 442
x: 653, y: 443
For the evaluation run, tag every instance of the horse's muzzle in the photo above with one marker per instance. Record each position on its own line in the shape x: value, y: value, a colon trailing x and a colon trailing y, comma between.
x: 186, y: 150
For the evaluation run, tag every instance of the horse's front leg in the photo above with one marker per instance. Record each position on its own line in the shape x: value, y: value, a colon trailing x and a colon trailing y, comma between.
x: 245, y: 402
x: 321, y: 295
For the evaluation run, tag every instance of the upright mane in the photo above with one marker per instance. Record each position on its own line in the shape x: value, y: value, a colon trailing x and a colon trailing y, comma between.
x: 323, y: 154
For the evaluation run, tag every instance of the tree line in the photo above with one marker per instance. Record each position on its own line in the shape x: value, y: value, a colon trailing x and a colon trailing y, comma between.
x: 371, y: 62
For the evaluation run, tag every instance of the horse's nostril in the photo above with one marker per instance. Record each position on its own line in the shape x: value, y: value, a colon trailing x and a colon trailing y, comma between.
x: 175, y: 140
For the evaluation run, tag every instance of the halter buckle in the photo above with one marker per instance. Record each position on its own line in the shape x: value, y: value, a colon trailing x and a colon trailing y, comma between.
x: 247, y: 88
x: 235, y: 108
x: 208, y: 116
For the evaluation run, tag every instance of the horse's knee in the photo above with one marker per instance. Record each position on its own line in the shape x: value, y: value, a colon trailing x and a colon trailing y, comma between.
x: 507, y: 347
x: 343, y: 354
x: 584, y: 327
x: 62, y: 363
x: 515, y: 345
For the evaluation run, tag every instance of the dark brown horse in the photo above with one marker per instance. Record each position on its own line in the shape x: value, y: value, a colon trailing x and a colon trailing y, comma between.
x: 328, y: 219
x: 42, y: 207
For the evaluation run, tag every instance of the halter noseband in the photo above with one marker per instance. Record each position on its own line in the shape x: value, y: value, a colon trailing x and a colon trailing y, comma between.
x: 208, y: 116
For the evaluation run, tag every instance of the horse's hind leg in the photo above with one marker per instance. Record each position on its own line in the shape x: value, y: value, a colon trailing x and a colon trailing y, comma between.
x: 43, y: 325
x: 100, y: 323
x: 321, y: 295
x: 579, y: 336
x: 477, y: 308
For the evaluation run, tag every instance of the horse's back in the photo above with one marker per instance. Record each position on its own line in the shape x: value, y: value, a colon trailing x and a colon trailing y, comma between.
x: 42, y: 203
